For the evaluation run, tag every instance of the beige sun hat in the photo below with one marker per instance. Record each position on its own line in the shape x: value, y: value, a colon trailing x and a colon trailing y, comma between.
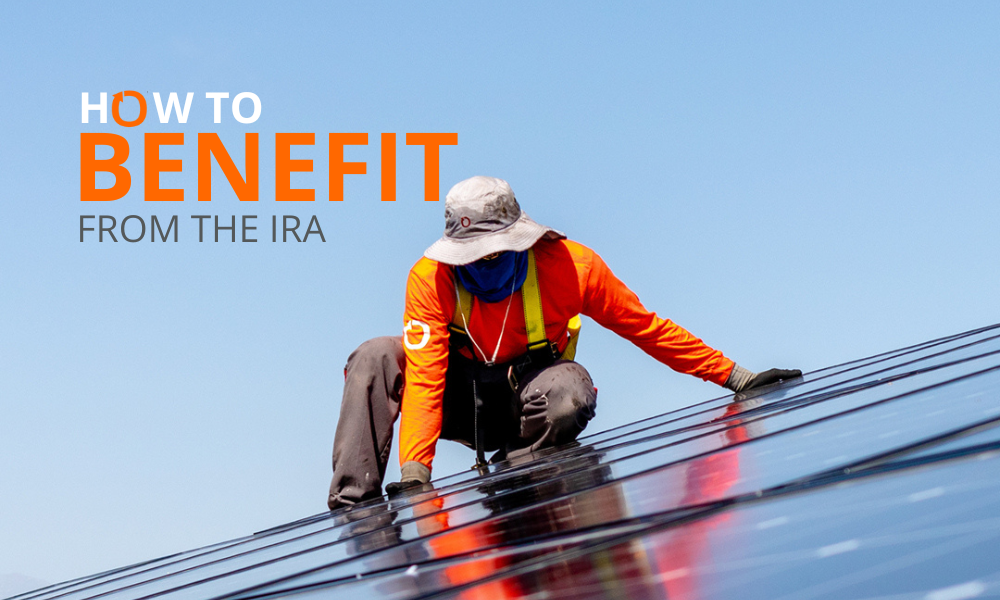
x: 481, y: 216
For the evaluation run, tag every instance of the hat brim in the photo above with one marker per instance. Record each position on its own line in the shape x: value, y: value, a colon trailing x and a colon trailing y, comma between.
x: 520, y: 235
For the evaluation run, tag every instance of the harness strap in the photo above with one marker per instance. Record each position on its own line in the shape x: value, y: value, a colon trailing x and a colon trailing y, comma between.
x: 573, y: 328
x: 463, y: 308
x: 534, y: 320
x: 531, y: 298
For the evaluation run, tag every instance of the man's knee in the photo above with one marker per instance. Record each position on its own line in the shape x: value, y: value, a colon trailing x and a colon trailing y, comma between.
x: 377, y: 354
x: 373, y: 384
x: 570, y: 398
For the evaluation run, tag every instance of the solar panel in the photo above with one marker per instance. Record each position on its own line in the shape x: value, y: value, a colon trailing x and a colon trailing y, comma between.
x: 874, y: 479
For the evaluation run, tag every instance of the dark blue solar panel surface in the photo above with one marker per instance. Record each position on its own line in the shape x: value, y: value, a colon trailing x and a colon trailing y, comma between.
x: 874, y: 479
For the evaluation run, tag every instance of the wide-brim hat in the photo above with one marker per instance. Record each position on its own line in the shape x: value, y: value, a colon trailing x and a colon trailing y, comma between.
x: 481, y: 216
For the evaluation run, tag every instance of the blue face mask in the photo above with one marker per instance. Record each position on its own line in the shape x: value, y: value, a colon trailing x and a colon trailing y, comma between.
x: 493, y: 280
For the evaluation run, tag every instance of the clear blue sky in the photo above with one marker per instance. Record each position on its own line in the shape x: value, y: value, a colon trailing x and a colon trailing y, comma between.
x: 799, y: 184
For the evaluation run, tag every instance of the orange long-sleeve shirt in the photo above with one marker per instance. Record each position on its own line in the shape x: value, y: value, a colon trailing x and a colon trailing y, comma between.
x: 573, y: 280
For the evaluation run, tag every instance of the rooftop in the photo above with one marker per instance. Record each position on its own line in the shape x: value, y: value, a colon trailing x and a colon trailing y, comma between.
x: 872, y: 479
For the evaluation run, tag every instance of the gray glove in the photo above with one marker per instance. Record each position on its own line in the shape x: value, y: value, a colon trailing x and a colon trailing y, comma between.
x: 413, y: 474
x: 394, y: 489
x: 741, y: 380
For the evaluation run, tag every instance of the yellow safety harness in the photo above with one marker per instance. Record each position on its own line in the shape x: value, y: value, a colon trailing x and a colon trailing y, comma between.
x: 534, y: 320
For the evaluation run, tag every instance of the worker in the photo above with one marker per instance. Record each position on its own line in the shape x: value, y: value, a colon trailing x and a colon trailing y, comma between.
x: 491, y: 324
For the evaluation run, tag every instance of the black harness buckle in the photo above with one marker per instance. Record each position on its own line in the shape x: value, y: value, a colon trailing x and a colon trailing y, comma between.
x: 542, y: 355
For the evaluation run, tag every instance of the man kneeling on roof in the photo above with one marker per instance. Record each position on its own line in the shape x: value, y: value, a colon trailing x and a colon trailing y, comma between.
x: 487, y: 366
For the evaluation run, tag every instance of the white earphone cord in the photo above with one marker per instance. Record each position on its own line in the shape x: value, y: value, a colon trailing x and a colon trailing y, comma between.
x: 503, y: 327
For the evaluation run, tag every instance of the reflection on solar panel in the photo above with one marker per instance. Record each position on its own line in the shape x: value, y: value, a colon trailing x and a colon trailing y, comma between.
x: 874, y: 479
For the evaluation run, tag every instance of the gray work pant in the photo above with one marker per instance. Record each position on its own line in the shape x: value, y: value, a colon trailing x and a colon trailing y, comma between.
x: 553, y: 405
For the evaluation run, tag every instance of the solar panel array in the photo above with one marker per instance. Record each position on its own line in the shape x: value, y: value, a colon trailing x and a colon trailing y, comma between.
x: 878, y: 478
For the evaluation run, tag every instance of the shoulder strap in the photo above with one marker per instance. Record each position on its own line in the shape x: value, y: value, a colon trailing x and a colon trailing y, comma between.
x: 463, y: 304
x: 531, y: 296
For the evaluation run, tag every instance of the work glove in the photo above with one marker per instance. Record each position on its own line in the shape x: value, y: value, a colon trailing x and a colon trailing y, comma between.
x: 771, y: 376
x: 741, y: 380
x: 394, y: 489
x: 414, y: 474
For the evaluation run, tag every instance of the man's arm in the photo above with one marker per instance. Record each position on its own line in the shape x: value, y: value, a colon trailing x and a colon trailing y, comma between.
x: 425, y: 341
x: 612, y: 304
